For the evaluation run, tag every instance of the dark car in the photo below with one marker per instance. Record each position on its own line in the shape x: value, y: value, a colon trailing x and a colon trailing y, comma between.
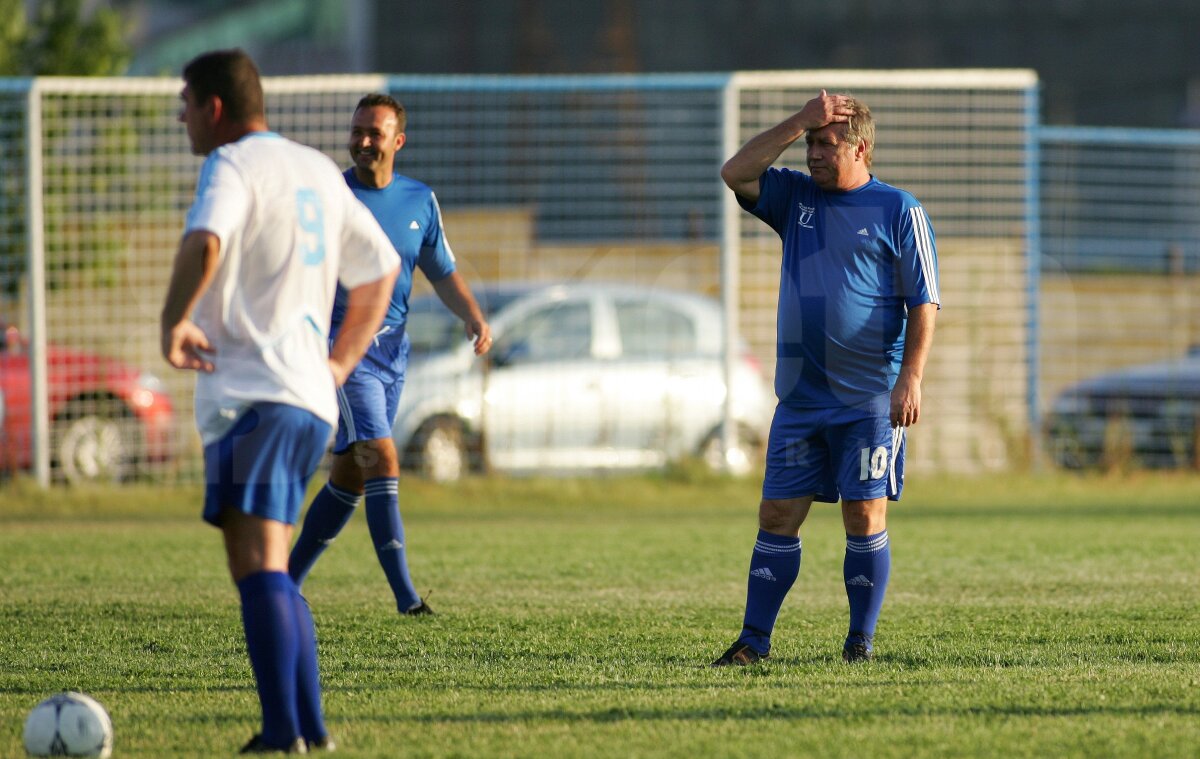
x: 106, y: 418
x: 1145, y: 416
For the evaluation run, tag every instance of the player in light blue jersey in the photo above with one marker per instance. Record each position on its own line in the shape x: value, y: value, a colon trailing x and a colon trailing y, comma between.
x: 858, y: 295
x: 270, y: 233
x: 365, y: 459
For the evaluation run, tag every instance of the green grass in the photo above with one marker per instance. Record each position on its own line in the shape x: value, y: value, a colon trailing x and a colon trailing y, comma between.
x: 1025, y: 617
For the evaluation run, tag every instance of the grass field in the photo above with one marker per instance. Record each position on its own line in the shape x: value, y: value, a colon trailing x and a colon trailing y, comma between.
x: 1025, y: 617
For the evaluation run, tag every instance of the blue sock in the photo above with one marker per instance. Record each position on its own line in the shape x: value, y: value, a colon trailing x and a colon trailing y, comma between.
x: 774, y: 566
x: 308, y: 682
x: 868, y: 562
x: 326, y: 517
x: 269, y: 618
x: 387, y: 533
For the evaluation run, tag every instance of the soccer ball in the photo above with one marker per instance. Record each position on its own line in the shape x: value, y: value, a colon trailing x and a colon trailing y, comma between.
x: 69, y: 724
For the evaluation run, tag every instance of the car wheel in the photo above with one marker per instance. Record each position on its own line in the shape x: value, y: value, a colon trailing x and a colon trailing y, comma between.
x: 95, y: 441
x: 740, y: 460
x: 1068, y: 452
x: 1080, y: 442
x: 440, y: 451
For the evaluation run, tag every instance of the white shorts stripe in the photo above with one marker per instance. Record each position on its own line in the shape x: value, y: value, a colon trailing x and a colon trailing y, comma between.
x: 347, y: 415
x: 897, y: 441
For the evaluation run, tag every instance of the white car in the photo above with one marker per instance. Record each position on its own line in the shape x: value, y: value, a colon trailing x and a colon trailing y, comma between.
x: 581, y: 378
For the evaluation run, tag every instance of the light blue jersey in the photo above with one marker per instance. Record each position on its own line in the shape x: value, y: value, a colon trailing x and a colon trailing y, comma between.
x: 409, y: 213
x: 853, y: 263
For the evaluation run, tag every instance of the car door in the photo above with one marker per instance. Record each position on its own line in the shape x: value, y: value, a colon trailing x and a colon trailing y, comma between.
x: 16, y: 431
x: 542, y: 402
x: 658, y: 355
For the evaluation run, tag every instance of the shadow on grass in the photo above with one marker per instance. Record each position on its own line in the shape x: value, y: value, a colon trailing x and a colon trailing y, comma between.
x: 773, y: 712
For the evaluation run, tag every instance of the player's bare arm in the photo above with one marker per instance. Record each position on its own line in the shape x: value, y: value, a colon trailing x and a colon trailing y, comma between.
x: 906, y: 395
x: 366, y: 306
x: 184, y: 345
x: 742, y: 171
x: 454, y: 292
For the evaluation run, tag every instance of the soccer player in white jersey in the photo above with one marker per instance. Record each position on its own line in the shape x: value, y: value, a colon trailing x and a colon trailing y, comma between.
x: 271, y: 232
x: 858, y: 295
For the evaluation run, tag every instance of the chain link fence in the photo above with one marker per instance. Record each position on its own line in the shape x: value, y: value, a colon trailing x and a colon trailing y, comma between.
x: 1120, y: 277
x: 601, y: 179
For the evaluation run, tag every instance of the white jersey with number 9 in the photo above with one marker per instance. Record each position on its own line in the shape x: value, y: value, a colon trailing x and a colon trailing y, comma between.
x: 289, y: 230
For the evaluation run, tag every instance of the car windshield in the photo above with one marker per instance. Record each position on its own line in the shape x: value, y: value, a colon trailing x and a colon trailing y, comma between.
x: 432, y: 328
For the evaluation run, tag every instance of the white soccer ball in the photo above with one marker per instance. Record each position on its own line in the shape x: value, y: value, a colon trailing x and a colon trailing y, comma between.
x: 69, y: 724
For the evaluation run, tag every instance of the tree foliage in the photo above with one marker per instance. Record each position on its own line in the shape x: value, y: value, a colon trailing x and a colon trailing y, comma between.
x: 56, y: 40
x: 12, y: 36
x: 53, y: 38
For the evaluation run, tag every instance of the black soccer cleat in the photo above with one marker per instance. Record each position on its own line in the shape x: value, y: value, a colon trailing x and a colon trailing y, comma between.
x: 258, y: 746
x: 420, y: 609
x: 857, y: 649
x: 739, y: 655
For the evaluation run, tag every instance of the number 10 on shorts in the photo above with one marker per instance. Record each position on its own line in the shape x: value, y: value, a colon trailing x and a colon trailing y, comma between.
x: 872, y: 463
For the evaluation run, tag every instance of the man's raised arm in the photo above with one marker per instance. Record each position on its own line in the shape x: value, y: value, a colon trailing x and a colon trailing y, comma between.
x: 742, y: 171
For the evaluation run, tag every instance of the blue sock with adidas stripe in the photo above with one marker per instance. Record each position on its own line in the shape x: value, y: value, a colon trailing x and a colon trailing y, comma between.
x: 387, y: 533
x: 868, y: 562
x: 327, y: 515
x: 774, y: 566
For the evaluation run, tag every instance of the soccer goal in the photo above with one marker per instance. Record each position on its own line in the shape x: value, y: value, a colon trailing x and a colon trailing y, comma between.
x: 571, y: 178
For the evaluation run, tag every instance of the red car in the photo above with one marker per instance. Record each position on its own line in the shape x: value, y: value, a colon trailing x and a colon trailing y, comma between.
x: 107, y: 419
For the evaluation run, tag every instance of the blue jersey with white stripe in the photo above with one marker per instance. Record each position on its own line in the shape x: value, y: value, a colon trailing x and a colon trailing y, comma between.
x: 853, y: 263
x: 409, y: 213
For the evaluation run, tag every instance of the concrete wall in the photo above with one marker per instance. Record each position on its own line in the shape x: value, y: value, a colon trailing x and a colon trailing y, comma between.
x: 975, y: 416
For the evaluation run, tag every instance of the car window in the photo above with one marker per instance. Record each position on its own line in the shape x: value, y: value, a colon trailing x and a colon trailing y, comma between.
x: 432, y: 327
x: 654, y: 330
x: 554, y: 333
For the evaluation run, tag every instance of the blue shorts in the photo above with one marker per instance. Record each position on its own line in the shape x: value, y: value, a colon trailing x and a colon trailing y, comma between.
x: 262, y: 466
x: 371, y: 396
x: 843, y: 453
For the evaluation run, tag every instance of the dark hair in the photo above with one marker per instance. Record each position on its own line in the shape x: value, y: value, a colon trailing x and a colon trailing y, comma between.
x: 232, y: 76
x: 380, y: 100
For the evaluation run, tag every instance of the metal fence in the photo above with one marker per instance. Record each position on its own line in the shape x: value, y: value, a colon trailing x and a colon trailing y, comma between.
x: 963, y: 142
x: 97, y: 174
x: 554, y: 179
x: 1120, y: 309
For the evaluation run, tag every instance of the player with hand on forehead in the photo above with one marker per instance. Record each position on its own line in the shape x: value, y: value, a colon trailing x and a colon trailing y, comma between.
x: 365, y: 459
x: 858, y: 294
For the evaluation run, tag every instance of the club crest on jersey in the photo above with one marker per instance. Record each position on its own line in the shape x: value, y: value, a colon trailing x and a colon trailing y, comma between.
x: 806, y: 216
